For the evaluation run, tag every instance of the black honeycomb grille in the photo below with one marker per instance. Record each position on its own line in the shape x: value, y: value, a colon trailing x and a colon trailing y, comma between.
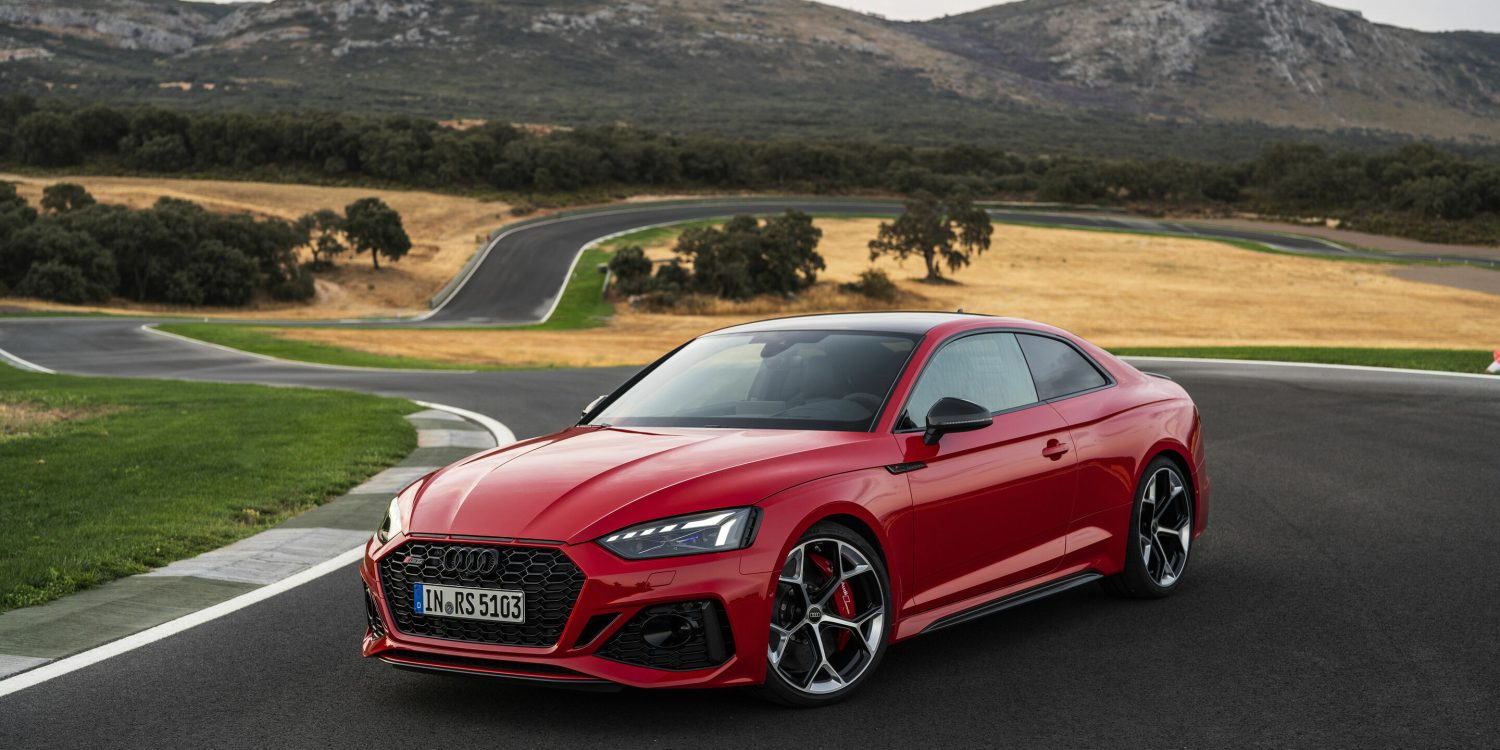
x: 551, y: 582
x: 709, y: 645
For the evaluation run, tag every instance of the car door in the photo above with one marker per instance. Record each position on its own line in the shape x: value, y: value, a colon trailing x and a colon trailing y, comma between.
x: 992, y: 505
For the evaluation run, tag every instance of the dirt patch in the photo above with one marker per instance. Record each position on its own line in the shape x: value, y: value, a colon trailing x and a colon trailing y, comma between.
x: 22, y: 420
x: 445, y: 230
x: 1116, y: 289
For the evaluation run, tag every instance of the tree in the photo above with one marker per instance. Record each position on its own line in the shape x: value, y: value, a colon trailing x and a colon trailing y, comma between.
x: 631, y: 270
x: 746, y: 258
x: 949, y: 232
x: 15, y: 214
x: 163, y: 153
x: 216, y: 274
x: 31, y: 260
x: 322, y: 228
x: 375, y: 228
x: 100, y: 128
x: 788, y: 260
x: 65, y: 197
x: 47, y: 139
x: 147, y: 249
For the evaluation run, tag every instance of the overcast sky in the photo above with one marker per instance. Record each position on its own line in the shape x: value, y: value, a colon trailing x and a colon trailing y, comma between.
x: 1428, y: 15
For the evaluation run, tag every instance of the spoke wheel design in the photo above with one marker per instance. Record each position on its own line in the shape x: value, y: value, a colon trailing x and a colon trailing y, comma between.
x: 828, y: 619
x: 1165, y: 526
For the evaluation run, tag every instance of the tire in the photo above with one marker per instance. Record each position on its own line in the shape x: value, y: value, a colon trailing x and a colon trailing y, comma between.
x: 849, y: 655
x: 1166, y: 494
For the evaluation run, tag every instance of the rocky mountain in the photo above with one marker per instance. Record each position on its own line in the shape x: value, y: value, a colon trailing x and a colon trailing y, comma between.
x: 769, y: 66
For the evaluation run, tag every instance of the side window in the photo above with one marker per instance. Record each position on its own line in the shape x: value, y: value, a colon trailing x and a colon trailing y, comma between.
x: 1058, y: 368
x: 986, y: 368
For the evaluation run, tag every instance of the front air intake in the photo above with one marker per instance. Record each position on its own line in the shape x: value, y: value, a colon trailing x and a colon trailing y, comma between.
x: 679, y: 637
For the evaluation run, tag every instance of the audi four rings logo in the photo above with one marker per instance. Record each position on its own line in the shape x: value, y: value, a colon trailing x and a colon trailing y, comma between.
x: 474, y: 561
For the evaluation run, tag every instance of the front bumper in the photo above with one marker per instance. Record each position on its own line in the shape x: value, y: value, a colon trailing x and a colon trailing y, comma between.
x: 612, y: 587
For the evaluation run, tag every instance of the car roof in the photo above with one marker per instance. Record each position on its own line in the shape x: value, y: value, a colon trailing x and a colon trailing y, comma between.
x: 883, y: 322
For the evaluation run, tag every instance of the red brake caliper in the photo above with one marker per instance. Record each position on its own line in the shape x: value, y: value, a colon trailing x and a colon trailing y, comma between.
x: 843, y: 596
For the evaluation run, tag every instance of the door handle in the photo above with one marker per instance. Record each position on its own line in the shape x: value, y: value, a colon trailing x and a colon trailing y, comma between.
x: 1055, y: 450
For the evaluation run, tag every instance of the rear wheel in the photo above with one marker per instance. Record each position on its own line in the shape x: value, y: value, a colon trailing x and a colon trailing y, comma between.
x: 830, y: 619
x: 1161, y: 532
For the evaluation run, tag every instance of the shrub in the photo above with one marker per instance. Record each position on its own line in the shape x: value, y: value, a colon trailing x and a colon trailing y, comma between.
x: 746, y: 258
x: 631, y: 270
x: 49, y: 242
x: 163, y: 153
x: 875, y: 284
x: 672, y: 277
x: 59, y: 282
x: 47, y: 139
x: 297, y: 286
x: 65, y: 197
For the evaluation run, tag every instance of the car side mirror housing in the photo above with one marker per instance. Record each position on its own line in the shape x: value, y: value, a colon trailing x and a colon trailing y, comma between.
x: 592, y: 405
x: 954, y: 415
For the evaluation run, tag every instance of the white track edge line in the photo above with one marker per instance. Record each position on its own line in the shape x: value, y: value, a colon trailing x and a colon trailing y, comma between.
x: 1277, y: 363
x: 152, y: 328
x: 502, y: 434
x: 23, y: 364
x: 151, y: 635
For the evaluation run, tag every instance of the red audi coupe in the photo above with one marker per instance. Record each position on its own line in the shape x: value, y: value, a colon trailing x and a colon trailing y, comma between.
x: 776, y: 503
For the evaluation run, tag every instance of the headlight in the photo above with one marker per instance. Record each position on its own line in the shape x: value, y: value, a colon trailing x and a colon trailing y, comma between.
x: 392, y: 525
x: 715, y: 531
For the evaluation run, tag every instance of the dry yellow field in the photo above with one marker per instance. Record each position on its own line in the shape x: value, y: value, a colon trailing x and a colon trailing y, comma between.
x: 1116, y: 289
x: 444, y: 230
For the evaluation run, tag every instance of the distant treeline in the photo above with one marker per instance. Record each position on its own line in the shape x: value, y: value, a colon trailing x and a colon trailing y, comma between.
x: 1417, y: 191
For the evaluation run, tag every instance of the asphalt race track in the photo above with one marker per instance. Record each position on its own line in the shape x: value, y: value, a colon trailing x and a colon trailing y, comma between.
x: 1344, y: 596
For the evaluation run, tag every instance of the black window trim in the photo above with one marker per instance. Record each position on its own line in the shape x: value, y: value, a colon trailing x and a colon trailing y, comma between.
x: 1109, y: 380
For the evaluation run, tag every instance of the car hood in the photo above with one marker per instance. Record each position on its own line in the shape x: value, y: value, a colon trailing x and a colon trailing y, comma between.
x: 585, y: 482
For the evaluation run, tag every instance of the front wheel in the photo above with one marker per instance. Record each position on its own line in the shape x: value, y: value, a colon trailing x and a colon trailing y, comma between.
x: 830, y: 619
x: 1161, y: 532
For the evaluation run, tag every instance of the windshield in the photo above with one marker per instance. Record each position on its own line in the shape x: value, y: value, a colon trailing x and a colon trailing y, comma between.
x: 788, y: 380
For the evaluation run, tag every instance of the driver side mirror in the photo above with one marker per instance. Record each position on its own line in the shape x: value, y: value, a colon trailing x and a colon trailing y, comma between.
x: 592, y: 405
x: 954, y: 415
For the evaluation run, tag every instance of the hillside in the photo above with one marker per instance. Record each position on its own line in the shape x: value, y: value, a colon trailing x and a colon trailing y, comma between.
x: 1063, y: 70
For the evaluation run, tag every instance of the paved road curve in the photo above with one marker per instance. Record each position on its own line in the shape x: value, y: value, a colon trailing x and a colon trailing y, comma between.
x: 1341, y: 598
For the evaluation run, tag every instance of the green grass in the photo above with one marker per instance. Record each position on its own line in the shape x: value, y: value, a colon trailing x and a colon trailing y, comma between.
x: 260, y: 340
x: 145, y: 472
x: 583, y: 304
x: 1446, y: 360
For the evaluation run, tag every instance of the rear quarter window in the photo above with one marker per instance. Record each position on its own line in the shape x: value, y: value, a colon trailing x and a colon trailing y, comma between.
x: 1058, y: 369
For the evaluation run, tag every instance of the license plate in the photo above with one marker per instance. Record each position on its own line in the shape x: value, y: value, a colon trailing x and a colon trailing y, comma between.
x: 470, y: 604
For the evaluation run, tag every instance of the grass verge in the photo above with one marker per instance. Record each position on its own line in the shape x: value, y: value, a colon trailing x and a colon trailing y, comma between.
x: 1445, y: 360
x: 108, y: 477
x: 262, y: 340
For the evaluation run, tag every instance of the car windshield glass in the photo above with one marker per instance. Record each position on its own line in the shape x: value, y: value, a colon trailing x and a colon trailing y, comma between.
x: 803, y: 380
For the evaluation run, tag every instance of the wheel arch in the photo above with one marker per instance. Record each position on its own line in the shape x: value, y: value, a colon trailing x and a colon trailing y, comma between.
x: 871, y: 503
x: 1178, y: 455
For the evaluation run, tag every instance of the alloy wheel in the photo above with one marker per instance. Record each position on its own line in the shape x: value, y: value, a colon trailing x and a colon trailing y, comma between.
x: 828, y: 619
x: 1165, y: 526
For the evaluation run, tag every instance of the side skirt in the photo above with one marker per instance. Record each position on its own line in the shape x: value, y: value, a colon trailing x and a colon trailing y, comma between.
x: 1015, y: 600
